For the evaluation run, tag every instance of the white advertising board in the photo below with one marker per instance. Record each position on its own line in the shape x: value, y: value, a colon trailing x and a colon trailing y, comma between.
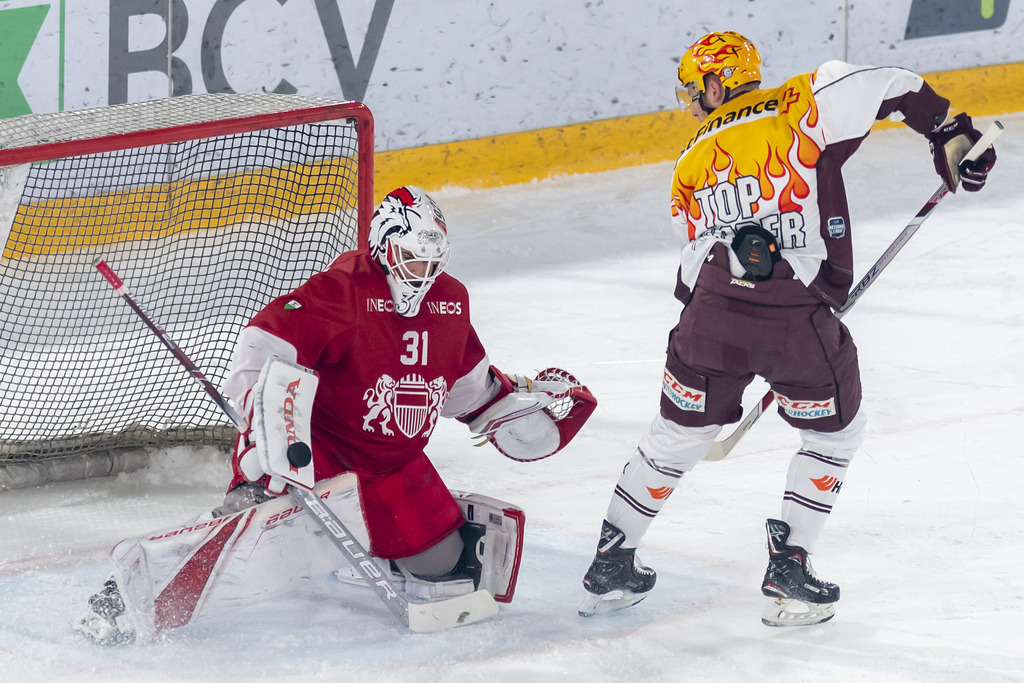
x: 438, y: 72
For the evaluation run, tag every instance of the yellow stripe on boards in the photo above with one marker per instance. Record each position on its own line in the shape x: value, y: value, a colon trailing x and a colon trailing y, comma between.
x: 534, y: 155
x: 151, y: 213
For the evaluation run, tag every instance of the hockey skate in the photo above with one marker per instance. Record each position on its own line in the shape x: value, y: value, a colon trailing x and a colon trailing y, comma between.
x: 616, y: 578
x: 105, y: 621
x: 796, y: 596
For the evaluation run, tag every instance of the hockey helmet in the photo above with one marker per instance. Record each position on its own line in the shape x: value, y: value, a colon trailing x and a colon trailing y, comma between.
x: 727, y: 54
x: 409, y: 240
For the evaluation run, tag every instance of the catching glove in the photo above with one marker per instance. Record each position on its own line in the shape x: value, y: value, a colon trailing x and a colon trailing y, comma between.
x: 532, y: 419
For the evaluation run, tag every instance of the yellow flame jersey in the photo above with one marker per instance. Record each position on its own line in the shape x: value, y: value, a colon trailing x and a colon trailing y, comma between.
x: 773, y: 158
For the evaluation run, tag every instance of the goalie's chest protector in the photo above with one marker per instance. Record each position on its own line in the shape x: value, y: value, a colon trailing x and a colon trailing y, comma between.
x: 383, y: 378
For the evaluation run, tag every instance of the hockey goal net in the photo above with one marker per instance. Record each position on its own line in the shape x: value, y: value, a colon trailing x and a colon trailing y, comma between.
x: 208, y: 206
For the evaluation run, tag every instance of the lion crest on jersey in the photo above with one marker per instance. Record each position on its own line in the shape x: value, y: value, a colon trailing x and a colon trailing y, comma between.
x: 412, y: 404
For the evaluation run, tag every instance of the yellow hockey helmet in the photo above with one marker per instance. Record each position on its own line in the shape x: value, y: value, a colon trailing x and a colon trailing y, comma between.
x: 727, y: 54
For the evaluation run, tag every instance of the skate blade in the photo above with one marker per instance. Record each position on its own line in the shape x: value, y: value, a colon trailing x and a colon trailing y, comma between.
x: 788, y: 612
x: 594, y: 605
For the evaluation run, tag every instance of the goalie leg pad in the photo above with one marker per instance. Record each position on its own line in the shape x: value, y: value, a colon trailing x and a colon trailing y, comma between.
x: 174, y: 577
x: 493, y: 537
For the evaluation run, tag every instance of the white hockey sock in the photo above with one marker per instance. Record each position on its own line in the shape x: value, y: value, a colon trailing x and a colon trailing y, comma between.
x: 639, y: 495
x: 812, y: 485
x: 816, y: 475
x: 650, y: 476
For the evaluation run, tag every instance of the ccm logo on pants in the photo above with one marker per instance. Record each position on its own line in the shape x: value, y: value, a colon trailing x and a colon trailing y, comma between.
x: 807, y: 410
x: 682, y: 396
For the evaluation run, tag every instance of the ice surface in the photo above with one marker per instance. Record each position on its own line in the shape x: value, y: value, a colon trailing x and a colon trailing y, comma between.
x: 927, y: 539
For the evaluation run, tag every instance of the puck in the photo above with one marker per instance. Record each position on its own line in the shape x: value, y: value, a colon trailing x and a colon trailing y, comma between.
x: 299, y: 455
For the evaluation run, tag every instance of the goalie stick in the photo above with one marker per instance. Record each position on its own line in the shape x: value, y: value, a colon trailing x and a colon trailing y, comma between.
x: 419, y: 617
x: 722, y: 448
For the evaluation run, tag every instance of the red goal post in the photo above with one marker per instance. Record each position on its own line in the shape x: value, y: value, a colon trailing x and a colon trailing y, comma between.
x: 210, y: 205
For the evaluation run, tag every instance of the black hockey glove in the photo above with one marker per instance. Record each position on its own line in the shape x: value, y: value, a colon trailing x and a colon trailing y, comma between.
x: 949, y: 143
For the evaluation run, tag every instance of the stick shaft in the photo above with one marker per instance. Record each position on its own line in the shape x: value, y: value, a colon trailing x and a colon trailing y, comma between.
x: 108, y: 273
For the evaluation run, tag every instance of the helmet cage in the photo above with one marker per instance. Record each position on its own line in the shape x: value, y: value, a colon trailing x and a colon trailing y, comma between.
x: 409, y: 240
x: 411, y: 272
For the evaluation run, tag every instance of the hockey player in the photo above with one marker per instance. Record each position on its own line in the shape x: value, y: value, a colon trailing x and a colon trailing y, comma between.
x: 388, y: 333
x: 759, y: 206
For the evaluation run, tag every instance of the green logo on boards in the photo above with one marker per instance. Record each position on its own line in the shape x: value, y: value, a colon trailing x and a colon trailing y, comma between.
x: 18, y: 30
x: 944, y: 17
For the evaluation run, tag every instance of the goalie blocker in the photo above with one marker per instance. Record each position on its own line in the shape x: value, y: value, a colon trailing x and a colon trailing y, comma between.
x: 531, y: 419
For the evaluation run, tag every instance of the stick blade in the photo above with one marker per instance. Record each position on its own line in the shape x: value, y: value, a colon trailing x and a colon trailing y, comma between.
x: 717, y: 452
x: 429, y: 617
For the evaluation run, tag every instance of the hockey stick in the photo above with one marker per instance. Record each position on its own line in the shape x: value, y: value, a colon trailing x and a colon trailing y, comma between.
x: 720, y: 449
x: 419, y: 617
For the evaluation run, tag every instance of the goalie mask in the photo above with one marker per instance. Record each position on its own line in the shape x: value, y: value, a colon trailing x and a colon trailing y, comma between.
x: 409, y: 240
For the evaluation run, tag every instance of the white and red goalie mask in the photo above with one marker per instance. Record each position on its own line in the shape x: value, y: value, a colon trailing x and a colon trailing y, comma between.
x: 409, y: 239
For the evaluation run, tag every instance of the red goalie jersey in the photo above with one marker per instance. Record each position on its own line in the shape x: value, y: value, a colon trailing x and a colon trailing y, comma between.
x: 385, y: 380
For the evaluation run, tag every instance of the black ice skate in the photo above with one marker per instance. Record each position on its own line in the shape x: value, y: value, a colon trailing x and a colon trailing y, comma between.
x: 797, y: 597
x: 105, y: 622
x: 616, y: 579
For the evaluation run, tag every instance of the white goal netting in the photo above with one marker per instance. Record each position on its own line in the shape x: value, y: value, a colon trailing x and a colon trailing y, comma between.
x: 207, y: 206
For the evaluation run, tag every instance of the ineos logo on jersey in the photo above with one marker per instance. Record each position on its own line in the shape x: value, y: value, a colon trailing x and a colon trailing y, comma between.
x: 380, y: 306
x: 434, y: 307
x: 445, y: 307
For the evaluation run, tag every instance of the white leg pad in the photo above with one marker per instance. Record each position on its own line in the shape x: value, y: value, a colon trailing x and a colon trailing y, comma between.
x: 176, y: 576
x: 493, y: 534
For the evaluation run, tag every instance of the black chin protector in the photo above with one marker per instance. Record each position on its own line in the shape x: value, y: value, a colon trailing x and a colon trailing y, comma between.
x: 757, y: 250
x: 700, y: 98
x: 700, y: 101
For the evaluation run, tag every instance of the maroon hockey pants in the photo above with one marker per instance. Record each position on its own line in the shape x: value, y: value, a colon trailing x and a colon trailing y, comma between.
x: 726, y: 336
